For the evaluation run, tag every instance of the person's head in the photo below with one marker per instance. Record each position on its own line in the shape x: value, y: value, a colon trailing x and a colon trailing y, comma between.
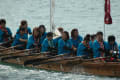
x: 2, y: 22
x: 23, y: 24
x: 42, y: 29
x: 87, y: 38
x: 99, y: 36
x: 65, y: 35
x: 61, y: 30
x: 93, y: 37
x: 74, y: 33
x: 49, y: 35
x: 35, y: 32
x: 22, y: 31
x: 111, y: 39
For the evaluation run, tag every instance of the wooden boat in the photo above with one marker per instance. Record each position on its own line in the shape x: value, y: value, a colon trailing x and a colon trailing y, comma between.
x: 77, y: 65
x: 65, y: 64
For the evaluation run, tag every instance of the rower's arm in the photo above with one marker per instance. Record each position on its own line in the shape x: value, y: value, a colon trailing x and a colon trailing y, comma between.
x: 23, y: 40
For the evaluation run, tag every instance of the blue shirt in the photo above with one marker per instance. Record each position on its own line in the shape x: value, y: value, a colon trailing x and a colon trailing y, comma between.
x: 17, y: 39
x: 111, y: 47
x: 46, y: 45
x: 43, y: 37
x: 81, y: 50
x: 61, y: 44
x: 31, y: 42
x: 56, y: 41
x: 119, y: 51
x: 2, y: 34
x: 77, y: 41
x: 91, y: 44
x: 96, y: 47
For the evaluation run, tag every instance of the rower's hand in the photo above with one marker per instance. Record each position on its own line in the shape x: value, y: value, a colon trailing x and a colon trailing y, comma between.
x: 74, y: 49
x: 111, y: 51
x: 101, y: 50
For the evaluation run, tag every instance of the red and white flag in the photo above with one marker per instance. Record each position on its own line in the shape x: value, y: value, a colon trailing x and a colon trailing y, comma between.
x: 107, y: 18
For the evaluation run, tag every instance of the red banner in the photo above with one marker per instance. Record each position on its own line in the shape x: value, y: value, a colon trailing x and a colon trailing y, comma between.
x: 108, y: 18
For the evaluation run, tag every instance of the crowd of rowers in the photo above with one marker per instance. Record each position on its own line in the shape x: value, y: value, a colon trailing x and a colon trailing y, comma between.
x: 91, y: 46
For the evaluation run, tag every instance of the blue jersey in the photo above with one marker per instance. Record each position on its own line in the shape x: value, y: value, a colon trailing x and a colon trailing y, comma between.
x: 2, y: 34
x: 77, y: 41
x: 56, y: 41
x: 91, y: 44
x: 111, y: 47
x: 17, y: 40
x: 119, y: 51
x: 31, y: 42
x: 46, y: 44
x: 62, y: 44
x: 81, y: 50
x: 96, y: 47
x: 43, y: 37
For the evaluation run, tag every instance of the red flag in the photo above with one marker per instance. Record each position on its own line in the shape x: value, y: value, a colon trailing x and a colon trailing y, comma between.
x: 108, y: 18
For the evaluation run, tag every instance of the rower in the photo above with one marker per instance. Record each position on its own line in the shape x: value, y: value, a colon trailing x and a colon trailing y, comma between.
x: 58, y: 34
x: 84, y: 48
x: 64, y: 44
x: 112, y: 48
x: 5, y: 32
x: 42, y: 33
x: 20, y: 39
x: 75, y: 39
x: 34, y: 39
x: 24, y: 24
x: 48, y: 44
x: 99, y: 46
x: 92, y: 39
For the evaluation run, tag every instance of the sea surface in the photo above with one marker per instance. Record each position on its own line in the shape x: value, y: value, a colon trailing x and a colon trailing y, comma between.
x: 86, y: 15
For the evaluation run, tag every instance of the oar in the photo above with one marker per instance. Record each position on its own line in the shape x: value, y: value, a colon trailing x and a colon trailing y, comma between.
x: 58, y: 60
x: 16, y: 52
x: 94, y: 59
x: 42, y: 59
x: 19, y: 54
x: 3, y: 43
x: 1, y: 47
x: 11, y: 47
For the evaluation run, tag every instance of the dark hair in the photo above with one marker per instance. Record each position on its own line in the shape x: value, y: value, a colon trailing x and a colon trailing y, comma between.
x: 67, y: 34
x: 72, y: 32
x: 99, y: 33
x: 49, y: 34
x: 93, y: 36
x: 87, y: 37
x: 42, y: 26
x: 60, y: 29
x: 23, y: 22
x: 2, y: 21
x: 111, y: 38
x: 35, y: 29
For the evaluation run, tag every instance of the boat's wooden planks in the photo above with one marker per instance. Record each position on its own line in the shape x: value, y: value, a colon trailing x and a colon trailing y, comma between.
x: 22, y: 59
x: 61, y: 63
x: 79, y: 66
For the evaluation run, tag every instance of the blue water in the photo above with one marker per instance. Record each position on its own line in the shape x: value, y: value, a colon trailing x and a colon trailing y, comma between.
x: 86, y: 15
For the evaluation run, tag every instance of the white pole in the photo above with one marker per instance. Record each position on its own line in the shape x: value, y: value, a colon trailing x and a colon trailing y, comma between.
x: 52, y: 9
